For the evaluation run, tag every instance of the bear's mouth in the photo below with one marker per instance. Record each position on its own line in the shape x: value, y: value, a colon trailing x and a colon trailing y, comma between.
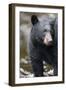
x: 50, y: 43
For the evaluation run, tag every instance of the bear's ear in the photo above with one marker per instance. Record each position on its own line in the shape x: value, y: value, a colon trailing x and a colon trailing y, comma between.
x: 52, y: 22
x: 34, y: 19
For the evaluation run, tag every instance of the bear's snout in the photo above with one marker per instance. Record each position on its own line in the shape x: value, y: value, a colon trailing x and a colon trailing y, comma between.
x: 48, y: 39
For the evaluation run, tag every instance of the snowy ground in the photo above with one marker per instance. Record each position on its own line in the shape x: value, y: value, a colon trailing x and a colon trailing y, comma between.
x: 28, y: 74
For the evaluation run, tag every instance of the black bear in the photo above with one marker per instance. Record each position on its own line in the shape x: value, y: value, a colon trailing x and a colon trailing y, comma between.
x: 43, y: 44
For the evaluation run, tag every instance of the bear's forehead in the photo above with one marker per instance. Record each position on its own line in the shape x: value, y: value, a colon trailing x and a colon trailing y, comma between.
x: 45, y: 25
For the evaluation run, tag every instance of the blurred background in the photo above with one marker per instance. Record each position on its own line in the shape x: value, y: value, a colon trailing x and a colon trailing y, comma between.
x: 25, y: 28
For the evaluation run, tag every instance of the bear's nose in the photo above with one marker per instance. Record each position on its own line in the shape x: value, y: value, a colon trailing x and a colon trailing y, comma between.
x: 50, y: 42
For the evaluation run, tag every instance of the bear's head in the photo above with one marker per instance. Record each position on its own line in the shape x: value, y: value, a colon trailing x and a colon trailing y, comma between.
x: 44, y: 29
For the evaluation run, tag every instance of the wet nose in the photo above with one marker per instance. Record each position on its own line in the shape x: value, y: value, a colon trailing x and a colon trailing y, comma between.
x: 50, y: 39
x: 50, y: 42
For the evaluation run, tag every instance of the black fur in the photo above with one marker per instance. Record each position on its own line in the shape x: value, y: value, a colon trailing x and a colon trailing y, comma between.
x: 38, y: 50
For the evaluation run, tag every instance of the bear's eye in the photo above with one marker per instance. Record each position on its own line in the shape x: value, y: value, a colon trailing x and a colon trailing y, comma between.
x: 52, y: 33
x: 45, y: 30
